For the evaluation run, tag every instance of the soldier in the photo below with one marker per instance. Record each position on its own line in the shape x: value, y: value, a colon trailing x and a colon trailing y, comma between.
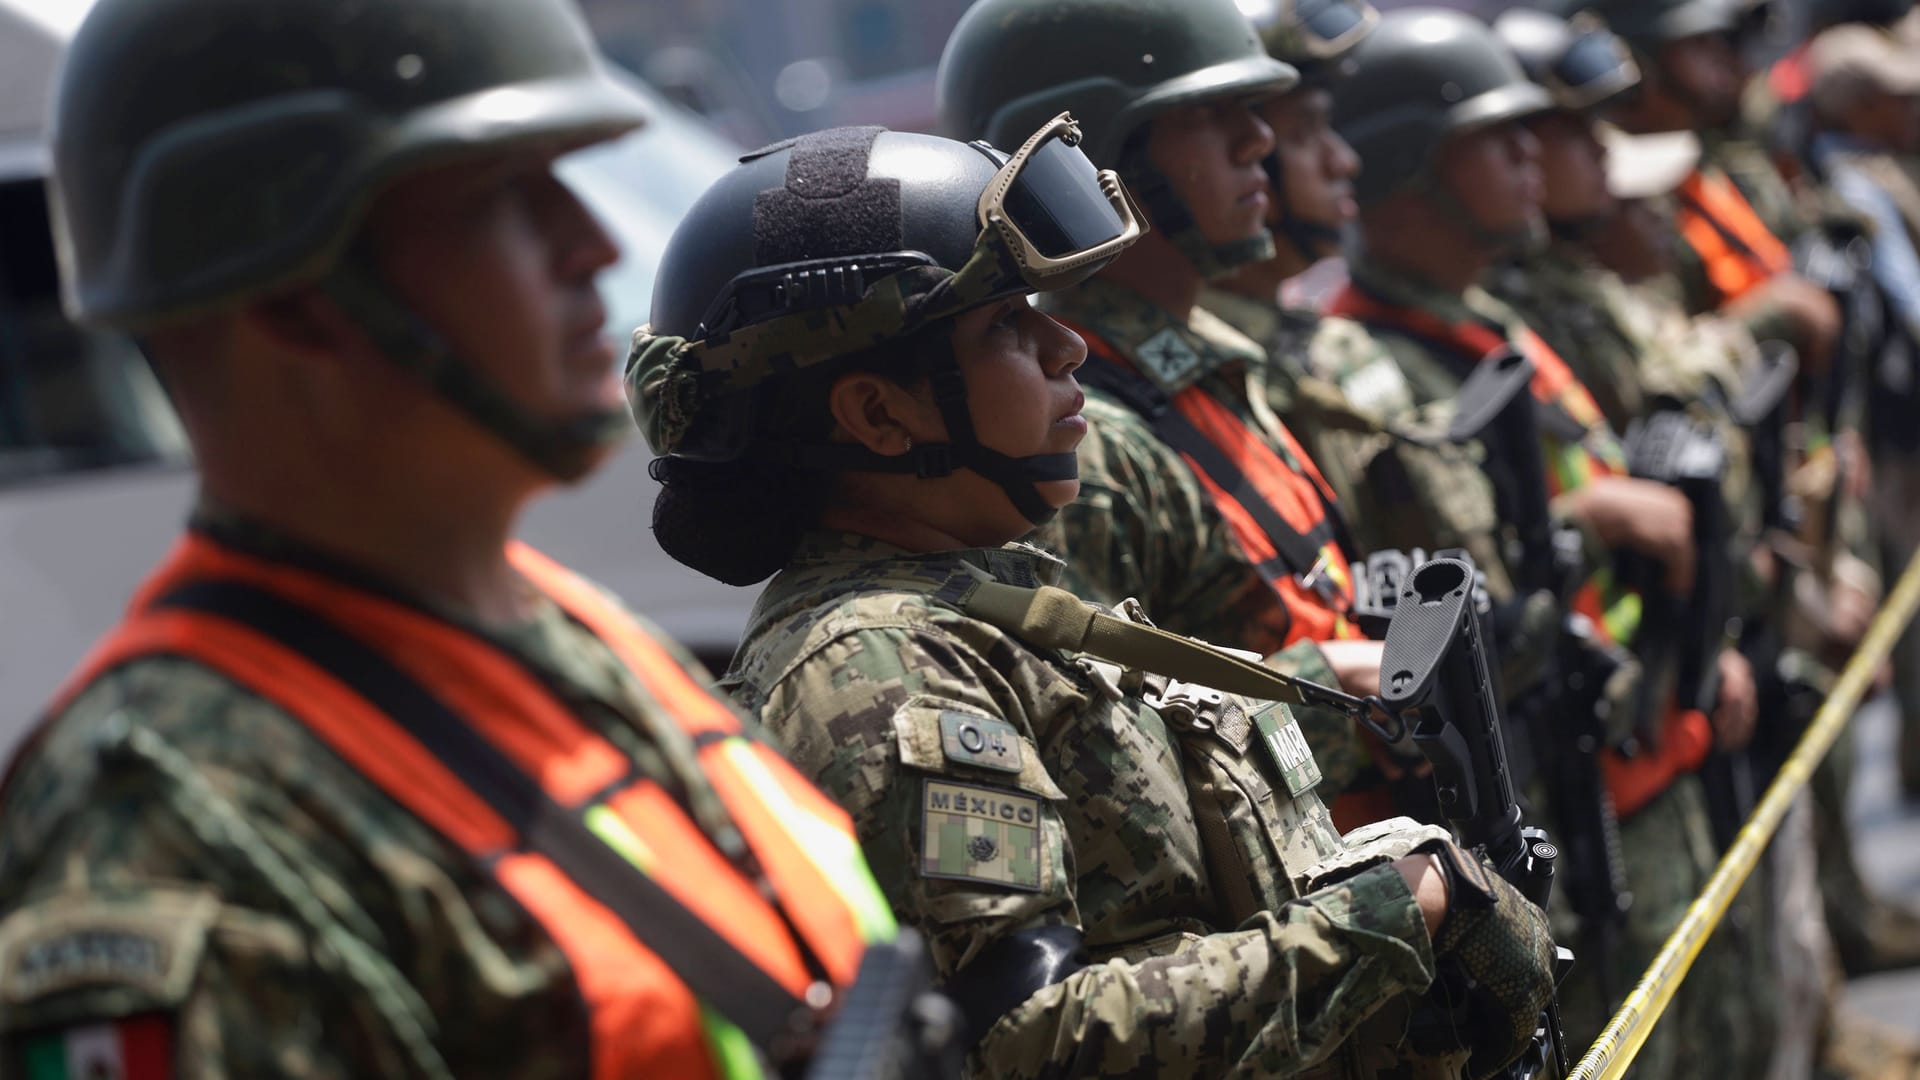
x: 1120, y: 872
x: 1739, y: 221
x: 361, y: 787
x: 1195, y: 498
x: 1865, y: 99
x: 1451, y: 185
x: 1736, y: 215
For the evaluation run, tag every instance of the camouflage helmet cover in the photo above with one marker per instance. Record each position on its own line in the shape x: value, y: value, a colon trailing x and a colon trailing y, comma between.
x: 1423, y: 76
x: 206, y: 151
x: 1114, y: 64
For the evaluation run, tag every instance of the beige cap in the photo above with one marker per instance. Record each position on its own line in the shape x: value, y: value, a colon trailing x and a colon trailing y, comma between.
x: 1643, y: 166
x: 1853, y: 57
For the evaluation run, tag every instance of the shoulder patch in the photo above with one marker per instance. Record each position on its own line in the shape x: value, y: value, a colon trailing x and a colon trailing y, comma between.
x: 977, y: 740
x: 146, y: 947
x: 134, y: 1048
x: 1168, y: 358
x: 972, y: 833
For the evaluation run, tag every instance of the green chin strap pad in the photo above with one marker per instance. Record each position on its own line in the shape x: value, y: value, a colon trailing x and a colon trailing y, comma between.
x: 1173, y: 217
x: 564, y: 449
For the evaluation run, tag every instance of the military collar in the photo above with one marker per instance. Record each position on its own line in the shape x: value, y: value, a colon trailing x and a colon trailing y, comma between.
x: 1171, y: 354
x: 1016, y: 563
x: 1260, y: 321
x: 1404, y: 290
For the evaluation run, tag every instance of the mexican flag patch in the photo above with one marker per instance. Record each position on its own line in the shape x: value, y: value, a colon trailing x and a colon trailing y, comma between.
x: 136, y: 1048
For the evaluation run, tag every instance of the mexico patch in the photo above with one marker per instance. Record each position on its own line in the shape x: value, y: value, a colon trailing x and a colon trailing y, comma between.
x: 971, y: 833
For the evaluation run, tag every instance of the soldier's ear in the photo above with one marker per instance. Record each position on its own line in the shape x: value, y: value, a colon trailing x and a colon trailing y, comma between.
x: 881, y: 415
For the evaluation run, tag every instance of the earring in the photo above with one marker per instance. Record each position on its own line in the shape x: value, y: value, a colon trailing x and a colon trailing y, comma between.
x: 909, y: 448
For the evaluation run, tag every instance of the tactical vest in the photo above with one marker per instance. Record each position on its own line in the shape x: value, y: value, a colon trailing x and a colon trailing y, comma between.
x: 1280, y: 510
x: 615, y: 869
x: 1734, y: 245
x: 1588, y: 451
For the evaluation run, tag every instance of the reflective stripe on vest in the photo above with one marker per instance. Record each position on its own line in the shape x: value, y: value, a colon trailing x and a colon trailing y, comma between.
x: 1282, y: 518
x: 1734, y: 245
x: 1685, y: 734
x: 643, y: 1019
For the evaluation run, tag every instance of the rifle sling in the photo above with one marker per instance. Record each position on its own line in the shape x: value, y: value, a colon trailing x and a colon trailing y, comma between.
x: 1054, y: 618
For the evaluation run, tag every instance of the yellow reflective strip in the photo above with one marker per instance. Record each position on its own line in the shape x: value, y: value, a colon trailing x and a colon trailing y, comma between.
x: 732, y: 1050
x: 832, y: 849
x: 1613, y: 1052
x: 615, y: 834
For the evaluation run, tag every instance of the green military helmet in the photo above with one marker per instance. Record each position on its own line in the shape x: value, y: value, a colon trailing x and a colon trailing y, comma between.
x: 1423, y: 76
x: 209, y: 151
x: 1649, y: 24
x: 1311, y: 35
x: 1579, y: 61
x: 1114, y: 64
x: 1823, y: 13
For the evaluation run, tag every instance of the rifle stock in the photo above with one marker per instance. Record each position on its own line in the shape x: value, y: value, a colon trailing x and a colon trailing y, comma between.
x: 1435, y: 661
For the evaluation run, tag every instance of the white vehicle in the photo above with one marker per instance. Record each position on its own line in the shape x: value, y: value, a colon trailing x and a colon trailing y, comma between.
x: 94, y: 476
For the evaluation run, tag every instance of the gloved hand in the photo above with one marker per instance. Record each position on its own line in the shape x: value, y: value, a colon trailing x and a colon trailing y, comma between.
x: 1495, y: 963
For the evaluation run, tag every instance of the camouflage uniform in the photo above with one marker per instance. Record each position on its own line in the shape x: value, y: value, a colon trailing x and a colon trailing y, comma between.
x: 1668, y: 849
x: 860, y: 660
x: 1403, y: 484
x: 228, y: 871
x: 1144, y: 527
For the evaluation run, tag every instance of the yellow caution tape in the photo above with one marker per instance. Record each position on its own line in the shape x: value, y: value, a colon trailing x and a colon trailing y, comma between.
x: 1615, y: 1049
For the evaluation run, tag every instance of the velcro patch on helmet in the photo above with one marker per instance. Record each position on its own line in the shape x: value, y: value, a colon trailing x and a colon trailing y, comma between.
x: 829, y: 206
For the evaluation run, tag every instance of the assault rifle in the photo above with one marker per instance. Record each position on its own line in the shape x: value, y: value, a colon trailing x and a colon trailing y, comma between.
x: 1564, y: 713
x: 1435, y: 661
x: 892, y: 1024
x: 1685, y: 636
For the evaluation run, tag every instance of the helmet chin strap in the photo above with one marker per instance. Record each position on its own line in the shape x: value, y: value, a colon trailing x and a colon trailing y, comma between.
x: 1174, y: 218
x: 1310, y: 240
x: 1019, y: 477
x: 566, y: 450
x: 1520, y: 240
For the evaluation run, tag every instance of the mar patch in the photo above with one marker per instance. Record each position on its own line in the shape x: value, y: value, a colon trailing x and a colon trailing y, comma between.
x: 1289, y: 749
x: 1168, y: 358
x: 972, y: 833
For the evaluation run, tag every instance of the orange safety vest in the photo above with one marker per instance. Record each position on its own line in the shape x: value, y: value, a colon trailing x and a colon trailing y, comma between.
x: 644, y: 1019
x: 1280, y: 509
x: 1734, y: 245
x: 1686, y: 736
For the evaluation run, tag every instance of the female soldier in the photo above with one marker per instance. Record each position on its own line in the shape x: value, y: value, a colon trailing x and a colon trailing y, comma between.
x: 1119, y: 872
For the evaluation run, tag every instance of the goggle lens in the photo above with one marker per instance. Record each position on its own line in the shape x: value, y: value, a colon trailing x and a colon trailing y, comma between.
x: 1057, y: 202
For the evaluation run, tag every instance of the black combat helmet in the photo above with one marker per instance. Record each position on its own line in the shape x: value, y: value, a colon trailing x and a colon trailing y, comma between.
x: 1424, y: 76
x: 1116, y: 65
x: 840, y: 241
